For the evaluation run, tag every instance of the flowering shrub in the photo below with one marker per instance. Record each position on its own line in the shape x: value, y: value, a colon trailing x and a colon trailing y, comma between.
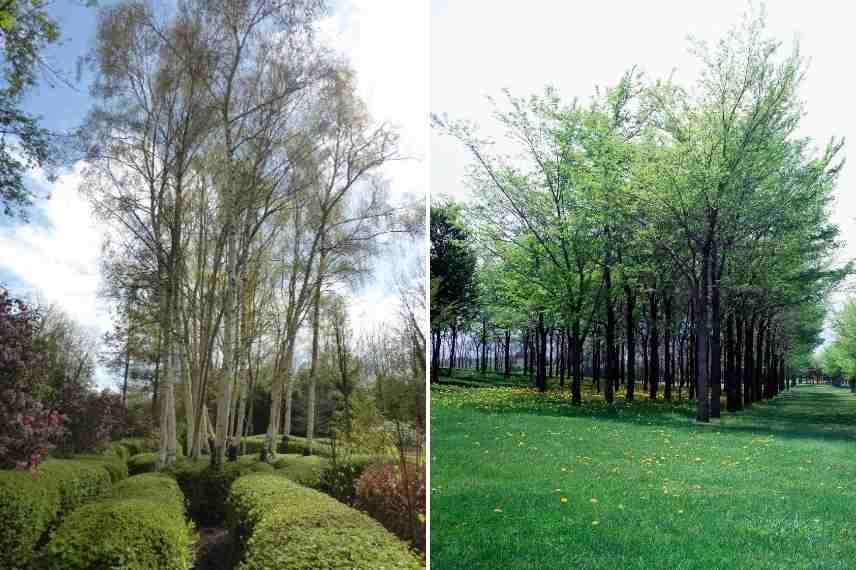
x: 93, y: 418
x: 395, y: 500
x: 27, y: 430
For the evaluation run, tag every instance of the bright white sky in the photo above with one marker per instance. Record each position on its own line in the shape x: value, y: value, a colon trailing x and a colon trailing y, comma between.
x: 480, y: 47
x: 387, y: 42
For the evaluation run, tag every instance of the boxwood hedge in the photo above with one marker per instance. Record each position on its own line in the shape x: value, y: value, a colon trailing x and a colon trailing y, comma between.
x: 207, y: 490
x: 278, y: 523
x: 31, y: 503
x: 140, y: 526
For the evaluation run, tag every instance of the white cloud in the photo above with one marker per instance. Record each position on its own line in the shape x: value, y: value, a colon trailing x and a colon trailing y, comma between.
x: 387, y: 43
x: 57, y: 259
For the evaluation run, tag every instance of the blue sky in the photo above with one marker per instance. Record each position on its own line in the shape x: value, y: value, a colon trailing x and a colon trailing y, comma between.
x: 57, y: 253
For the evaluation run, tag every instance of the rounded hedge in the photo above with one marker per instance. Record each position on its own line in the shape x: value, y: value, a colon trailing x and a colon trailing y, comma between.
x: 278, y: 523
x: 143, y: 463
x: 207, y: 490
x: 302, y: 469
x: 116, y: 466
x: 31, y: 502
x: 141, y: 526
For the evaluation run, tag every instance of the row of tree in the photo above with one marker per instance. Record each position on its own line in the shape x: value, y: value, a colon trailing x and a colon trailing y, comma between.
x: 691, y: 223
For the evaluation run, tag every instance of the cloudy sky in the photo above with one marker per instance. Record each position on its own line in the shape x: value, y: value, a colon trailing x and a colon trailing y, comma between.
x: 480, y: 47
x: 56, y: 255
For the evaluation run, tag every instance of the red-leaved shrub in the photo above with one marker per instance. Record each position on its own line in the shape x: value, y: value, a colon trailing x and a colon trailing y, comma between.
x: 27, y: 430
x: 395, y: 500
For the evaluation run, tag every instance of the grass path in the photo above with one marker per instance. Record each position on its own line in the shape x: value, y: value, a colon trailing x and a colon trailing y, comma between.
x: 522, y: 480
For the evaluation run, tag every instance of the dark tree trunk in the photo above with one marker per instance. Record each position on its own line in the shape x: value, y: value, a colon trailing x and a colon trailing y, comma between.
x: 630, y: 322
x: 562, y: 356
x: 748, y: 361
x: 654, y: 350
x: 611, y: 356
x: 730, y: 380
x: 715, y: 341
x: 452, y: 349
x: 595, y: 362
x: 667, y: 346
x: 435, y: 356
x: 526, y: 353
x: 550, y: 341
x: 507, y: 371
x: 758, y: 374
x: 542, y: 354
x: 577, y: 360
x: 484, y: 346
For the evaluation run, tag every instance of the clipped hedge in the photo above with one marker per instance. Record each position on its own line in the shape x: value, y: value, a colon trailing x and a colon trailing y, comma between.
x: 116, y: 467
x: 143, y: 463
x: 31, y: 503
x: 140, y: 526
x: 295, y: 445
x: 207, y: 490
x: 128, y: 447
x: 278, y: 523
x: 305, y: 470
x: 340, y: 479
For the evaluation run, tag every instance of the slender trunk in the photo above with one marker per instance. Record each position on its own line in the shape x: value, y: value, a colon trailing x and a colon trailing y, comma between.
x: 715, y: 340
x: 452, y: 348
x: 654, y: 340
x: 702, y: 341
x: 576, y: 384
x: 611, y: 356
x: 667, y: 346
x: 313, y: 365
x: 630, y: 301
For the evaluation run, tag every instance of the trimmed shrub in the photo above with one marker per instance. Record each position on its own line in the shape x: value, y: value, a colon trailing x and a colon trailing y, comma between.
x: 305, y: 470
x: 294, y: 445
x: 207, y: 490
x: 397, y: 504
x: 143, y: 463
x: 340, y: 479
x: 78, y: 481
x: 30, y: 503
x: 115, y: 466
x: 280, y: 524
x: 132, y: 445
x: 141, y: 526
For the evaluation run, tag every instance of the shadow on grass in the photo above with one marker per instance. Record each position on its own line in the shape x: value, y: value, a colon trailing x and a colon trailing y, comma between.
x: 804, y: 412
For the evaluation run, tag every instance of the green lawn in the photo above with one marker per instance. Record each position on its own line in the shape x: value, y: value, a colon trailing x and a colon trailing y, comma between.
x: 523, y: 480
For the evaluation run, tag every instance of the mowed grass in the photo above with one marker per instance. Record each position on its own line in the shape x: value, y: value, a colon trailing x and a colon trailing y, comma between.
x: 525, y: 480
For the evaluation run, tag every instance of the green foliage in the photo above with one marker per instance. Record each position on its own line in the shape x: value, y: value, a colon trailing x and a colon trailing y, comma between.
x: 280, y: 524
x: 131, y: 446
x: 143, y: 463
x: 207, y: 490
x: 141, y: 526
x: 116, y: 466
x: 31, y: 502
x: 26, y: 29
x: 302, y: 469
x: 452, y: 265
x: 339, y: 479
